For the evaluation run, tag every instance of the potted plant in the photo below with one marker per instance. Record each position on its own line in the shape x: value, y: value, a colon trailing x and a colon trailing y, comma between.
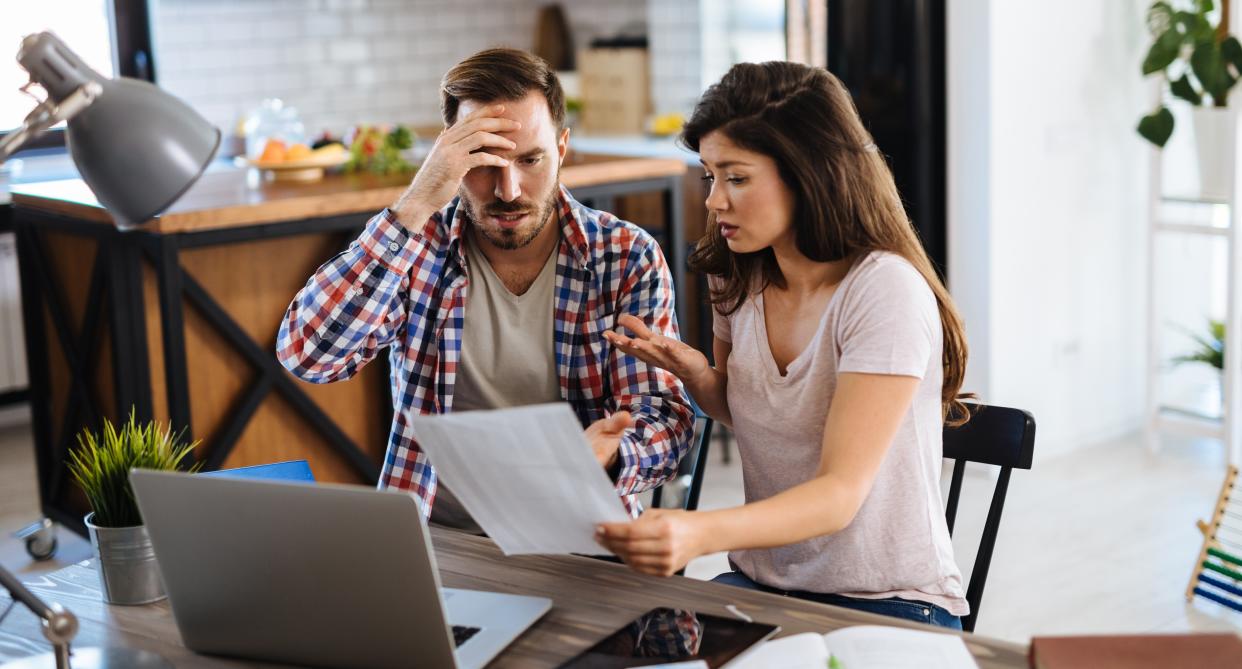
x: 1201, y: 62
x: 101, y: 464
x: 1209, y: 349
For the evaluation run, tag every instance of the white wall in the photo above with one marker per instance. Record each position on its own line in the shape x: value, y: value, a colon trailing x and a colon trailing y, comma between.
x: 1047, y: 211
x: 343, y: 62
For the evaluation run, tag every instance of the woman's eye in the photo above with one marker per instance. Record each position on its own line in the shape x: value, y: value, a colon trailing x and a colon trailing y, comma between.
x: 708, y: 178
x: 736, y: 180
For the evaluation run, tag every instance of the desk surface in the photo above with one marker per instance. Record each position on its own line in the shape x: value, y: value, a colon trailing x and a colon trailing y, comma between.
x: 591, y: 599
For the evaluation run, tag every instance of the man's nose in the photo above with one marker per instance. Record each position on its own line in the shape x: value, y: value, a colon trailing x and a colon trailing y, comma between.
x: 507, y: 188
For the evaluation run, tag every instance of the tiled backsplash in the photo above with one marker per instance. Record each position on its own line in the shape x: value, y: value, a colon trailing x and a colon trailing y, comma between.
x: 342, y: 62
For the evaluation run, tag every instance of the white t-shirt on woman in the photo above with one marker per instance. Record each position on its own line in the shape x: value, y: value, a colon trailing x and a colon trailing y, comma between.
x: 882, y: 319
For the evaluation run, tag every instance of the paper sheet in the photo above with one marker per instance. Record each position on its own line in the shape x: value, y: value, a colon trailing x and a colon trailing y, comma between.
x: 527, y: 476
x: 863, y: 647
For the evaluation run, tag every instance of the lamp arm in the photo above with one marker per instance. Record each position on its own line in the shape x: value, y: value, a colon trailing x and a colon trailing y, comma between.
x: 48, y: 114
x: 59, y: 625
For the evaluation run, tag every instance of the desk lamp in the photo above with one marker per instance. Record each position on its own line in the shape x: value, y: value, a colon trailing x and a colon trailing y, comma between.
x: 138, y: 148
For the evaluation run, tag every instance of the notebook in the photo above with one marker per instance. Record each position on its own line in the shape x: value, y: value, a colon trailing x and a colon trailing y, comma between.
x: 1202, y: 651
x: 863, y: 647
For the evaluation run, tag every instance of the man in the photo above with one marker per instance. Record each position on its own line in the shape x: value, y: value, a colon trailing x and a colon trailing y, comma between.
x: 493, y: 287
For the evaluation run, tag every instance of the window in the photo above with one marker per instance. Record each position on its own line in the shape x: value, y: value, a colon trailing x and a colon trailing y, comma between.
x: 112, y: 36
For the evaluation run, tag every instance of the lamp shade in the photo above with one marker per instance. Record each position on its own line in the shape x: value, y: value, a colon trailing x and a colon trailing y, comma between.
x: 137, y: 147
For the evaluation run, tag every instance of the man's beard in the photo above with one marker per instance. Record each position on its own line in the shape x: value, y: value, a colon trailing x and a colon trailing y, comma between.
x: 511, y: 239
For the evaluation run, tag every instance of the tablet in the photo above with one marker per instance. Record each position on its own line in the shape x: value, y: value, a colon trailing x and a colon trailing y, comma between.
x: 664, y: 636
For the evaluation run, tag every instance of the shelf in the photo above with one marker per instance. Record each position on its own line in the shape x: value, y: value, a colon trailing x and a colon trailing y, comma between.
x: 1192, y: 229
x: 1182, y: 199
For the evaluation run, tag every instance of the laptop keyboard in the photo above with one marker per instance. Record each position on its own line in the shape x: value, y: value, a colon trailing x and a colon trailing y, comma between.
x: 462, y: 634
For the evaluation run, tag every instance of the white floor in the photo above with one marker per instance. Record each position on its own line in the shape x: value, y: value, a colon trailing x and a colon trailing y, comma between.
x: 1102, y: 540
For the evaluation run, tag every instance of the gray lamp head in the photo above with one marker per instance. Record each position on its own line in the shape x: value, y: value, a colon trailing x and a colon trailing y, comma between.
x: 137, y: 147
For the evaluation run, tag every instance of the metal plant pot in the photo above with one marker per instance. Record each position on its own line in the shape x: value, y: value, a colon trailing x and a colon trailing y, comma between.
x: 128, y: 572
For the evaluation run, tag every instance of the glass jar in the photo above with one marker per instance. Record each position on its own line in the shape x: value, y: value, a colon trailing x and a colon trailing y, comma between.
x: 272, y: 120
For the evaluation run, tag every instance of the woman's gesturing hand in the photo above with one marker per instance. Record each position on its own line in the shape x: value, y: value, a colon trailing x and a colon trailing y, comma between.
x: 681, y: 359
x: 660, y: 542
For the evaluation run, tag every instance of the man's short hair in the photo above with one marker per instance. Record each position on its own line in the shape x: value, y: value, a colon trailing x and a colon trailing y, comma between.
x: 500, y: 74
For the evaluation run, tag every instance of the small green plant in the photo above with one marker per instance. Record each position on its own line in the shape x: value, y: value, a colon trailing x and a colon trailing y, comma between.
x: 378, y: 150
x: 1210, y: 349
x: 101, y: 463
x: 1197, y: 59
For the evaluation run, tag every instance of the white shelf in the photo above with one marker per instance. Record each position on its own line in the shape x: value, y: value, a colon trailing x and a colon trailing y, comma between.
x: 1192, y: 229
x: 1172, y: 219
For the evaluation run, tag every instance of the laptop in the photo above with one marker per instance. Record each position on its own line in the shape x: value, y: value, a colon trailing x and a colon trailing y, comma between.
x: 320, y: 575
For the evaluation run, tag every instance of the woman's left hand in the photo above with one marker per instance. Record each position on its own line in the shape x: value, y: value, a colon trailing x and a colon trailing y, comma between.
x: 660, y: 542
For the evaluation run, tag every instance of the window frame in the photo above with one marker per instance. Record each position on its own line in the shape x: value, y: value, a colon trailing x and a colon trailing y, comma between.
x: 130, y: 22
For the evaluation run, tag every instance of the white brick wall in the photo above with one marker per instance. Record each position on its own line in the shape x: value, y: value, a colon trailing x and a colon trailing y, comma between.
x: 343, y: 62
x: 676, y: 45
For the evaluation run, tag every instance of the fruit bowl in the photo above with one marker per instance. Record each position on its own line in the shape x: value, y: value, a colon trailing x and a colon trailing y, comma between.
x: 310, y: 168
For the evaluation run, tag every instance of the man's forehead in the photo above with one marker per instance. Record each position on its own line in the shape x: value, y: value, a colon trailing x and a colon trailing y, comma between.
x: 531, y: 110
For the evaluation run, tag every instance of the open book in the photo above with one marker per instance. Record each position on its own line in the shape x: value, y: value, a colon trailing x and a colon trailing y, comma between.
x: 862, y: 647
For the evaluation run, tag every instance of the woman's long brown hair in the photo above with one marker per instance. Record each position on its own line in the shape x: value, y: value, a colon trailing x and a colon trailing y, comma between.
x: 846, y: 203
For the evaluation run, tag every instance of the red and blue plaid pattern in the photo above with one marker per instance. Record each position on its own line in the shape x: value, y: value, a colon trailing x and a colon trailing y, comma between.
x: 406, y: 291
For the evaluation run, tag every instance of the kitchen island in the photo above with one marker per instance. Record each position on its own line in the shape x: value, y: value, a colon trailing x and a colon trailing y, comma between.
x: 177, y: 320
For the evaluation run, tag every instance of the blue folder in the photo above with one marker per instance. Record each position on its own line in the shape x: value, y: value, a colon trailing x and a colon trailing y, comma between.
x: 293, y: 470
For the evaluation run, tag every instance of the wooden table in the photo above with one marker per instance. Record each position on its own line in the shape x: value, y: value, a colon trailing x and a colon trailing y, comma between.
x: 591, y: 599
x: 178, y: 320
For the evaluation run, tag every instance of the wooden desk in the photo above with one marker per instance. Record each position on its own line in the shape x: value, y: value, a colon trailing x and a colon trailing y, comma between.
x: 178, y: 320
x: 590, y: 598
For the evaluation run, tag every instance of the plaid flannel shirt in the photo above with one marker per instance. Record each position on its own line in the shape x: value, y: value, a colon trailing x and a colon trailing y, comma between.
x: 407, y: 291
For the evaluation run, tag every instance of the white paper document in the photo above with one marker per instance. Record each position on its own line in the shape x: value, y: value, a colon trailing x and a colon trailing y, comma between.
x: 527, y: 476
x: 863, y: 647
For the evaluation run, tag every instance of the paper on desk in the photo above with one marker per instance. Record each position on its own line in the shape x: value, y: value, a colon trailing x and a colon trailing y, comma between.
x: 863, y: 647
x: 527, y: 475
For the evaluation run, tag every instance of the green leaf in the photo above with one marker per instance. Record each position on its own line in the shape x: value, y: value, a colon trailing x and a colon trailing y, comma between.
x: 1195, y: 27
x: 1231, y: 52
x: 1163, y: 51
x: 1209, y: 69
x: 1183, y: 89
x: 1203, y: 6
x: 1157, y: 126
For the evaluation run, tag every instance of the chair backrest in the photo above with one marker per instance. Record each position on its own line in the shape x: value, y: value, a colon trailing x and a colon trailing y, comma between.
x: 692, y: 465
x: 996, y: 436
x: 293, y: 470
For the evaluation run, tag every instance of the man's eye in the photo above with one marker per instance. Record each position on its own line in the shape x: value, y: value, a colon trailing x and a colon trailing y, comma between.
x: 531, y: 161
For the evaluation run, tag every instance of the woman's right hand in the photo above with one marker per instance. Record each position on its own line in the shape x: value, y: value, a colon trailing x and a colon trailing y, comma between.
x: 684, y: 361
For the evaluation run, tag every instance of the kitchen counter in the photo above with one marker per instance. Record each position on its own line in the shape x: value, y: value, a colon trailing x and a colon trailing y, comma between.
x: 240, y: 197
x: 177, y: 319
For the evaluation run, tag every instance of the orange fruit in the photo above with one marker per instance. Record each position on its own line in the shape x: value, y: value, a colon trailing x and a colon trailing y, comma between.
x: 273, y: 152
x: 298, y: 152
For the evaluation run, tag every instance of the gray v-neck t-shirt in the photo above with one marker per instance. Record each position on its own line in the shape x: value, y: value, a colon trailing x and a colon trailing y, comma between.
x: 883, y: 319
x: 507, y: 356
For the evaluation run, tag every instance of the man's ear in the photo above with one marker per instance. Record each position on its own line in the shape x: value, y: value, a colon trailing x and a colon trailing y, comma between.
x: 562, y: 146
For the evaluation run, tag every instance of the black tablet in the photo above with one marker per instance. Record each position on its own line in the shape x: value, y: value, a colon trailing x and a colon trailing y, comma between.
x: 663, y: 636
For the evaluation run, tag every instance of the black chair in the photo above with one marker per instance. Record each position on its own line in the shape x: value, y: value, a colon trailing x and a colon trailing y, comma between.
x: 690, y: 471
x: 996, y: 436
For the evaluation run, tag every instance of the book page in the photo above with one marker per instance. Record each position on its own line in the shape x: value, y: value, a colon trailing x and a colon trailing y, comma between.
x: 879, y: 647
x: 800, y: 651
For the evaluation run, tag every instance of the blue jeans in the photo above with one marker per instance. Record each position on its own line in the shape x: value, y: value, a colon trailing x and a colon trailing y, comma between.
x: 906, y: 609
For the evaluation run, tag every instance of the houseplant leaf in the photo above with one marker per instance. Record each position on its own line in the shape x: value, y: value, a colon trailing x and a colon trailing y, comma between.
x: 1163, y: 51
x: 1183, y: 89
x: 1231, y: 53
x: 1157, y: 126
x: 1209, y: 69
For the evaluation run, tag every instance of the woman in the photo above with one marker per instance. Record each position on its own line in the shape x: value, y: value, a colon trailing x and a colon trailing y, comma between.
x: 839, y: 356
